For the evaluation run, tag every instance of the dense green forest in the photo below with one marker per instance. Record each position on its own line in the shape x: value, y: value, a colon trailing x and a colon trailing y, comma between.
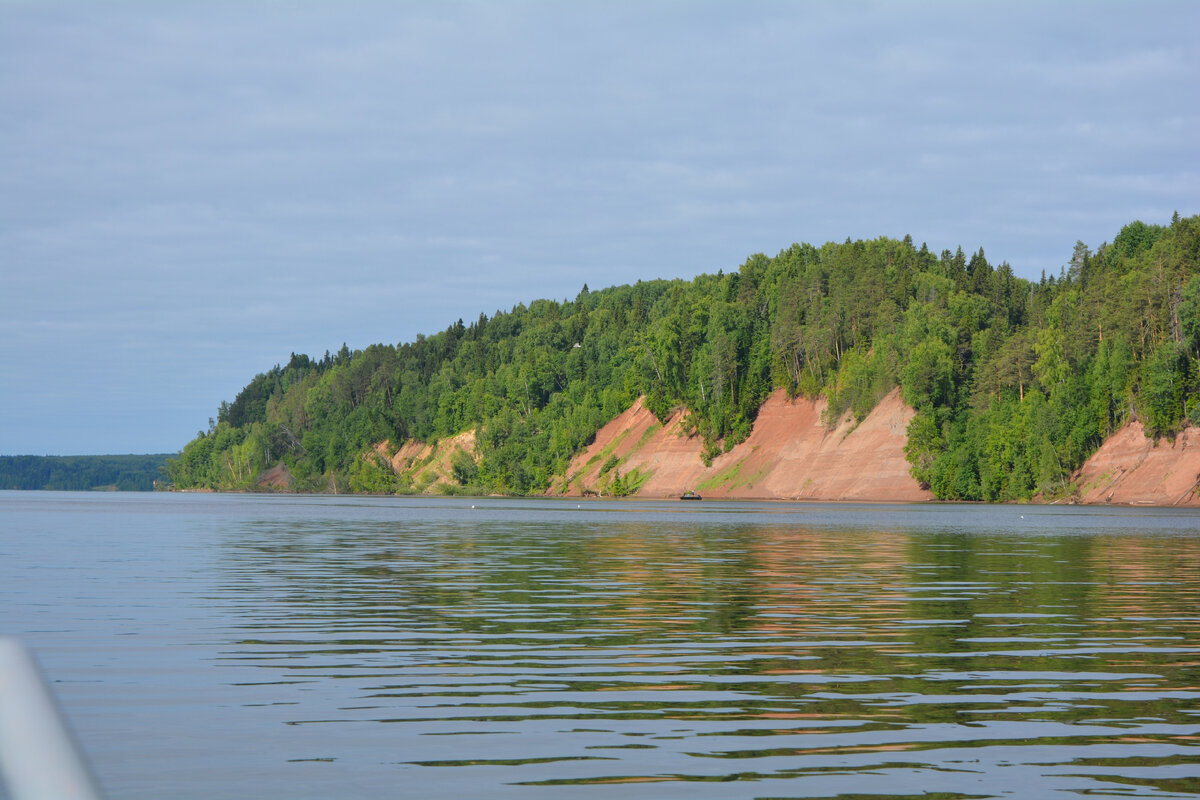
x: 132, y: 473
x: 1015, y: 382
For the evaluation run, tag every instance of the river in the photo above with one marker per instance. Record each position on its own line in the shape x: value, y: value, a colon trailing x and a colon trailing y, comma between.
x: 255, y: 646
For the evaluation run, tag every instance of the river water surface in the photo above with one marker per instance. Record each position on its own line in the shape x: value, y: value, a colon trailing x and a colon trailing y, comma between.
x: 239, y: 646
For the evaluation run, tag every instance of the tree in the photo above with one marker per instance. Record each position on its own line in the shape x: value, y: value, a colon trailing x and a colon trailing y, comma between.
x: 1164, y: 381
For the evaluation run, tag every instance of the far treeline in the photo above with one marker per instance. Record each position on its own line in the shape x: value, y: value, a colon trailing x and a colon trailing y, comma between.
x: 132, y: 473
x: 1015, y: 382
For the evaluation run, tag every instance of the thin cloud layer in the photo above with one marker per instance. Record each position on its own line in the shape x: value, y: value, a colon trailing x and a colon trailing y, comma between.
x: 191, y: 191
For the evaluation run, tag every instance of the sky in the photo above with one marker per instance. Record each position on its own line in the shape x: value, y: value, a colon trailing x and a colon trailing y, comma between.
x: 192, y: 191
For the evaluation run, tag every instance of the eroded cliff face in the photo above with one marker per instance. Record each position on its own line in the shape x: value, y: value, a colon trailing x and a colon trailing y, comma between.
x: 791, y: 455
x: 429, y: 466
x: 1133, y: 470
x: 788, y: 455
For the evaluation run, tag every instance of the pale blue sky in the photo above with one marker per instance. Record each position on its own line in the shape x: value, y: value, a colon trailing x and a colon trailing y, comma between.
x: 191, y: 191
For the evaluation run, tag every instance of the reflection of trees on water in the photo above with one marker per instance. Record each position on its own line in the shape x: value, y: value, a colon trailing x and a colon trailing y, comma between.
x: 634, y: 579
x: 1026, y: 615
x: 764, y: 580
x: 829, y: 623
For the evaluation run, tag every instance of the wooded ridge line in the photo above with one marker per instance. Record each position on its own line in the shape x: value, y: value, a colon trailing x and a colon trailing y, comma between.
x: 1014, y: 383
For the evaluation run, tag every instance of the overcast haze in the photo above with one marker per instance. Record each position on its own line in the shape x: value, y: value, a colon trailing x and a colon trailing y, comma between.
x: 189, y: 192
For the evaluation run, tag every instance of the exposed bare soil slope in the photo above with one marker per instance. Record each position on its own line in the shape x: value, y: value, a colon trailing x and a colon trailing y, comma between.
x: 275, y: 479
x: 1131, y: 469
x: 429, y: 466
x: 791, y: 455
x: 788, y: 455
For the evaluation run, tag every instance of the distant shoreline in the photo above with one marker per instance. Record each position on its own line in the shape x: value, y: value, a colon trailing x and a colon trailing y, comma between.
x: 112, y: 473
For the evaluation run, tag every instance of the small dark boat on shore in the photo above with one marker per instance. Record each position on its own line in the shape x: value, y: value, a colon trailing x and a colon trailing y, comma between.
x: 689, y: 495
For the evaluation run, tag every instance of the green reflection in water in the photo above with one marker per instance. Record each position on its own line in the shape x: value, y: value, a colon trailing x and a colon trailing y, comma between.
x: 821, y: 644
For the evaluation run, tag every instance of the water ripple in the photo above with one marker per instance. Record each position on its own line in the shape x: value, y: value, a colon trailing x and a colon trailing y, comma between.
x: 375, y: 647
x: 742, y: 655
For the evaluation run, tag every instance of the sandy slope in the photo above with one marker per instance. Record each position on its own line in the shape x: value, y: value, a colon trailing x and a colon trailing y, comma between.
x: 788, y: 455
x: 791, y: 455
x: 429, y: 465
x: 1129, y: 468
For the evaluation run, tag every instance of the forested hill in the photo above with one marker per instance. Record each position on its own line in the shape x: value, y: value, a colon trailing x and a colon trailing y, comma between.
x: 1015, y: 382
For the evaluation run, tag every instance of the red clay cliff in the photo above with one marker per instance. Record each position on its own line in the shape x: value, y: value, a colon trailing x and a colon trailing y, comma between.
x: 1133, y: 470
x: 791, y: 455
x: 788, y: 455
